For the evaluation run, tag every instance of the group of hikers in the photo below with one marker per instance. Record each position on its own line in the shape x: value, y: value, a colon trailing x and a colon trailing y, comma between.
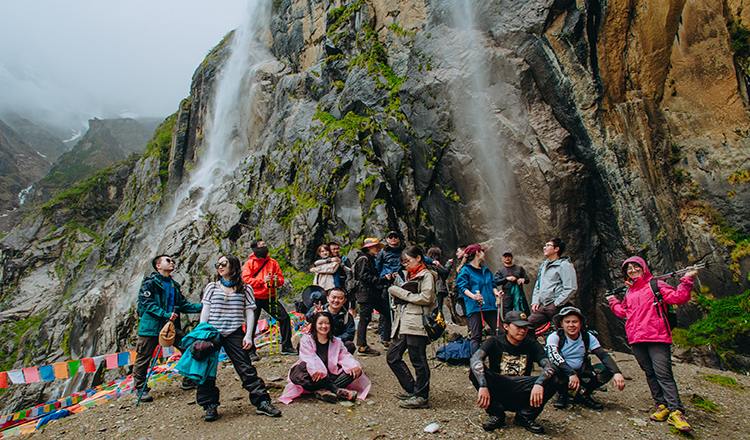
x: 403, y: 284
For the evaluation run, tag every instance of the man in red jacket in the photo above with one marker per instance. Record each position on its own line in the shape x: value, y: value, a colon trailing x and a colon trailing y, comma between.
x: 263, y: 273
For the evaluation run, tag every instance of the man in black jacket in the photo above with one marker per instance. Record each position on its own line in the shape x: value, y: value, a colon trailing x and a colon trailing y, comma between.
x: 370, y: 293
x: 507, y: 385
x: 343, y: 322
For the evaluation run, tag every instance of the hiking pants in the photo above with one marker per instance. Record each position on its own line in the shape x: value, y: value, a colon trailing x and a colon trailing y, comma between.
x: 513, y: 393
x: 299, y: 375
x: 474, y: 322
x: 417, y: 346
x: 285, y: 325
x: 591, y: 378
x: 655, y: 359
x: 144, y: 349
x: 543, y: 315
x: 208, y: 392
x: 365, y: 314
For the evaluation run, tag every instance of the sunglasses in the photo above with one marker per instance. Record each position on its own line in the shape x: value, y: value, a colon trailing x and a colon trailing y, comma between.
x: 222, y: 264
x: 168, y: 260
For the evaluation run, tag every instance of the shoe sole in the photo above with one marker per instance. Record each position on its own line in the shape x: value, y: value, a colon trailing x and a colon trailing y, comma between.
x: 368, y: 354
x: 263, y: 413
x: 528, y: 428
x: 211, y: 419
x: 327, y: 398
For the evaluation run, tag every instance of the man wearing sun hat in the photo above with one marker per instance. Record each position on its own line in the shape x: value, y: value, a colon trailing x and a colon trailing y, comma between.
x: 369, y: 293
x: 507, y: 385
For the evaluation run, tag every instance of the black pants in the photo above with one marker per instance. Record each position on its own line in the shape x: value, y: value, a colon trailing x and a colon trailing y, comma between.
x: 365, y: 314
x: 280, y: 315
x: 208, y: 393
x: 513, y: 393
x: 332, y: 382
x: 417, y: 346
x: 543, y: 315
x: 475, y: 322
x: 591, y: 378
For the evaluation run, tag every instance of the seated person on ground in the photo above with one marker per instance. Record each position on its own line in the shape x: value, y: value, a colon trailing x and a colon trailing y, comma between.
x: 325, y: 367
x: 507, y: 385
x: 568, y: 349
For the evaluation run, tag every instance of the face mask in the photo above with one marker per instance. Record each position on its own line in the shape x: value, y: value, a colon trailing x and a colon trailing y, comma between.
x: 261, y: 252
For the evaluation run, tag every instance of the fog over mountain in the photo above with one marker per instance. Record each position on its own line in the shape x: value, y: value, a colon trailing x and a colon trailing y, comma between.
x: 62, y: 63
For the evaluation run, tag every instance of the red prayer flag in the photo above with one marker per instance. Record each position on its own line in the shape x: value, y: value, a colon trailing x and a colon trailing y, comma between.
x: 88, y: 365
x: 3, y: 380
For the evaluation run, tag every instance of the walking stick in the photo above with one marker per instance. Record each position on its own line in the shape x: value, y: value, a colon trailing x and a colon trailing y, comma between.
x: 501, y: 312
x: 148, y: 375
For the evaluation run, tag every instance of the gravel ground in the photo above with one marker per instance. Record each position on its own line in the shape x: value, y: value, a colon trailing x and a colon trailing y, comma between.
x: 174, y: 414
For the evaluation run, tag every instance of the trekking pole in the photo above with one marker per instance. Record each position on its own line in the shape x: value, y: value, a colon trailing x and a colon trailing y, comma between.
x: 500, y: 312
x: 148, y: 375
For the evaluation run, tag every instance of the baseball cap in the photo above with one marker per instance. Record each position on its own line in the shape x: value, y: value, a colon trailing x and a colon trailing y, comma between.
x: 473, y: 249
x: 507, y: 253
x: 516, y: 317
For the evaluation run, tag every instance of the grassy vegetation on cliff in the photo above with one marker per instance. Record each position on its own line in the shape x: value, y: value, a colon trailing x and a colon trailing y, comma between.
x: 11, y: 334
x: 160, y: 145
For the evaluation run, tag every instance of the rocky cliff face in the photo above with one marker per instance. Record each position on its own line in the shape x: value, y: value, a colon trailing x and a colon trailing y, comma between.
x: 619, y: 127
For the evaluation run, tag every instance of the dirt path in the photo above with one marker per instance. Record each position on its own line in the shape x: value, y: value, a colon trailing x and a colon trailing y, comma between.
x: 174, y: 414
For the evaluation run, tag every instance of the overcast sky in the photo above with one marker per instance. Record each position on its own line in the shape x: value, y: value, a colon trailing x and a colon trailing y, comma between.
x: 106, y: 58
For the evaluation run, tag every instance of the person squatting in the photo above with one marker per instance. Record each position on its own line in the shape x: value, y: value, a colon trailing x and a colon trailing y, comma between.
x: 501, y: 365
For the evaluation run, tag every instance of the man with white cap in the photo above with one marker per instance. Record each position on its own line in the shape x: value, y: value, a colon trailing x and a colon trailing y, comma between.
x: 369, y: 293
x: 507, y: 385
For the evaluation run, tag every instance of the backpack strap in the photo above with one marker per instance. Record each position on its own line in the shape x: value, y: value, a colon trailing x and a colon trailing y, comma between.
x: 661, y: 308
x: 561, y: 338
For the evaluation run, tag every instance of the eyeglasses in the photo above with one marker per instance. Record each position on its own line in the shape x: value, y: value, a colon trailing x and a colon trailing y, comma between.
x: 548, y: 245
x: 221, y: 264
x: 392, y: 236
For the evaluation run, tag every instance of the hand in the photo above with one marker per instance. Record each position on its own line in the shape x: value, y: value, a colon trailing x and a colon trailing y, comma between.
x: 520, y: 281
x: 247, y: 342
x: 483, y: 398
x: 311, y: 270
x: 173, y: 317
x: 450, y: 261
x: 511, y: 278
x: 267, y: 278
x: 574, y: 383
x: 318, y: 307
x: 356, y: 372
x: 276, y: 277
x: 609, y: 297
x: 498, y: 293
x: 388, y: 276
x: 436, y: 263
x: 534, y: 307
x: 619, y: 381
x: 336, y: 259
x: 317, y: 376
x: 692, y: 273
x: 537, y: 396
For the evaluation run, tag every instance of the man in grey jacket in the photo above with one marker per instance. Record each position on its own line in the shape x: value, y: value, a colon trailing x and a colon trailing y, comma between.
x: 556, y: 282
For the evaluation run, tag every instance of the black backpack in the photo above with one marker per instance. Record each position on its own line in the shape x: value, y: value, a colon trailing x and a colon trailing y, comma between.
x: 665, y: 311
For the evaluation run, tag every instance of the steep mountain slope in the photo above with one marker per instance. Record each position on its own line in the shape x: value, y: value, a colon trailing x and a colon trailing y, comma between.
x: 20, y: 166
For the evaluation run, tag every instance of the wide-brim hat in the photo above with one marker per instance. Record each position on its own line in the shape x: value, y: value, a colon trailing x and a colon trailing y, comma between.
x: 567, y: 311
x: 370, y: 242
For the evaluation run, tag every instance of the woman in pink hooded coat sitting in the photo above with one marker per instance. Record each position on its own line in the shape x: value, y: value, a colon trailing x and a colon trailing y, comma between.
x: 325, y: 367
x: 650, y: 336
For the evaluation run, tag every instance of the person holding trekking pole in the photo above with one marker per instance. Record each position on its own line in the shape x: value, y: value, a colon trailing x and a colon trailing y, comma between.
x: 477, y: 284
x: 650, y: 335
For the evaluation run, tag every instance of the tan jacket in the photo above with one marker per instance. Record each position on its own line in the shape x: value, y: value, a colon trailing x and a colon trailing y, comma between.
x: 408, y: 320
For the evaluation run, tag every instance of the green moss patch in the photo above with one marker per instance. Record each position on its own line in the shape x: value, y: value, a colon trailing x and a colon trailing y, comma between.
x: 703, y: 403
x: 724, y: 381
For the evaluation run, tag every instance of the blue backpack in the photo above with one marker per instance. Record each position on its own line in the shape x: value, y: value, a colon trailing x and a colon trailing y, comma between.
x: 455, y: 353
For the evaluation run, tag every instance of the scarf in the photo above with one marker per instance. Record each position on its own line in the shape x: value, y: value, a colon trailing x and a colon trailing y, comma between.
x: 413, y: 271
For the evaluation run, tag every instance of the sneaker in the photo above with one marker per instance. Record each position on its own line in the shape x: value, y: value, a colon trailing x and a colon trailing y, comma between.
x: 414, y: 402
x: 289, y: 351
x: 677, y: 420
x: 267, y: 409
x: 493, y: 422
x: 212, y: 413
x: 562, y: 400
x: 189, y: 384
x: 147, y: 397
x: 326, y: 396
x: 403, y: 395
x: 528, y: 424
x: 367, y: 351
x: 254, y: 356
x: 346, y: 394
x: 586, y: 400
x: 386, y: 344
x: 661, y: 414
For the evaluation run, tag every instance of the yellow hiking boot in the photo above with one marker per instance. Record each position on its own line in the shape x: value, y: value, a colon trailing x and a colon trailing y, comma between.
x: 661, y: 414
x: 677, y: 420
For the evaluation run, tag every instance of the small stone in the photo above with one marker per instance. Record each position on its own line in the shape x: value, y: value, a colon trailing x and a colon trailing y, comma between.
x: 638, y: 422
x: 346, y: 404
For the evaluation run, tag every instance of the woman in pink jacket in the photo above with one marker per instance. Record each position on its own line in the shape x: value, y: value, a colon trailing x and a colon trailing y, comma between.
x: 325, y: 367
x: 650, y: 336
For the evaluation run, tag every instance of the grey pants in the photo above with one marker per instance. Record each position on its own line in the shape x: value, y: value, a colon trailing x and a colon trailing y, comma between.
x: 655, y: 359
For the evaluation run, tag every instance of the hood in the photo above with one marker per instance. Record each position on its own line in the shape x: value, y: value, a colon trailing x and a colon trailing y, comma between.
x: 639, y: 261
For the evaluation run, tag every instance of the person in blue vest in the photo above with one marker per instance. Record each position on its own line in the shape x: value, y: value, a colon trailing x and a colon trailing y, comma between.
x: 477, y: 285
x: 159, y: 301
x: 388, y: 262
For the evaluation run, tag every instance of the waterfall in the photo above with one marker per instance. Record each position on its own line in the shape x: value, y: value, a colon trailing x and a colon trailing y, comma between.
x: 232, y: 112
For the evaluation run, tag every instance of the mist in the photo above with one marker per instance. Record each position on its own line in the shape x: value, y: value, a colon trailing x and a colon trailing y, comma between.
x: 62, y: 63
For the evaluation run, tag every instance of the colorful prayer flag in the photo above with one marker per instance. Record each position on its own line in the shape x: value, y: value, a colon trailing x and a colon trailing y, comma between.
x: 31, y: 374
x: 123, y: 359
x: 133, y: 355
x: 61, y: 370
x: 98, y: 359
x: 47, y: 372
x: 16, y: 376
x: 111, y: 361
x: 73, y: 366
x: 3, y: 380
x: 88, y: 365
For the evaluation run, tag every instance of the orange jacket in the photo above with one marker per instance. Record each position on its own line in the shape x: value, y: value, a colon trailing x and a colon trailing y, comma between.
x: 260, y: 288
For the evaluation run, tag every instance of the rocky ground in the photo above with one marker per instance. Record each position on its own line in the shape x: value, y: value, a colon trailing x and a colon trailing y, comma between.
x: 174, y: 414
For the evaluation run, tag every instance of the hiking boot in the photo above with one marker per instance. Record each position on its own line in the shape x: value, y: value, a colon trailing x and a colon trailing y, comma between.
x: 147, y: 397
x: 562, y: 400
x: 586, y: 400
x: 266, y: 409
x: 254, y: 356
x: 346, y: 394
x: 212, y: 413
x: 661, y: 414
x: 386, y: 344
x: 677, y: 420
x: 326, y: 396
x: 367, y: 351
x: 414, y: 402
x: 528, y: 424
x: 403, y: 395
x: 289, y: 351
x: 493, y: 422
x: 189, y: 384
